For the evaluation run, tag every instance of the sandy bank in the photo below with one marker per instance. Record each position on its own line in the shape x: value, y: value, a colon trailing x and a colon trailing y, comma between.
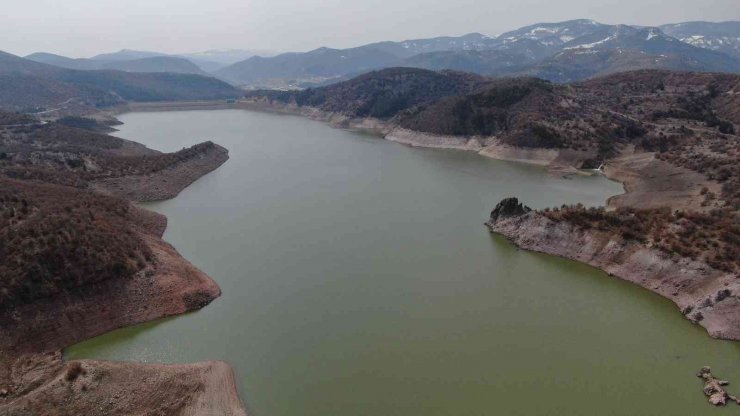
x: 653, y: 183
x: 113, y: 388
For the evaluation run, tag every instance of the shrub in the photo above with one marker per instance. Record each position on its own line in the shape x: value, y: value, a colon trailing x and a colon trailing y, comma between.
x: 74, y: 370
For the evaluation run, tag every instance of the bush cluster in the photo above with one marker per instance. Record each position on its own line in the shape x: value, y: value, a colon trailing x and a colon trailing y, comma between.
x: 55, y: 239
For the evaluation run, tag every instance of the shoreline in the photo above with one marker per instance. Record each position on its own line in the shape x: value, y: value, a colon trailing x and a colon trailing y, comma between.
x: 553, y: 159
x: 559, y: 161
x: 646, y: 181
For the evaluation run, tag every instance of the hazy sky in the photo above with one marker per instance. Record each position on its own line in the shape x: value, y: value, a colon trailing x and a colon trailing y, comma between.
x: 83, y: 28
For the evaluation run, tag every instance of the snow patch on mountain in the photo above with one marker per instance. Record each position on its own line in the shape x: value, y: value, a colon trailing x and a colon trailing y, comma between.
x: 591, y: 45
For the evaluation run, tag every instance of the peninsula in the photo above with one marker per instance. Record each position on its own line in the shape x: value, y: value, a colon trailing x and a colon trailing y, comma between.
x: 79, y: 260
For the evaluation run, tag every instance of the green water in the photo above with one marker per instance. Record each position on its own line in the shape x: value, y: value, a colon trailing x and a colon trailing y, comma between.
x: 358, y: 279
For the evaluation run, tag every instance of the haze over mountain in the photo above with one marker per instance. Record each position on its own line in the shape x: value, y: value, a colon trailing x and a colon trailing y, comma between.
x: 609, y: 49
x: 148, y: 61
x: 561, y: 52
x: 138, y: 62
x: 26, y: 85
x: 177, y: 26
x: 227, y: 56
x: 125, y: 55
x: 315, y: 66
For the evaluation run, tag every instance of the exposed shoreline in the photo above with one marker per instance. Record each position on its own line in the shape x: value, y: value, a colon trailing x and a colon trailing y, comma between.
x: 647, y: 181
x: 559, y: 161
x: 697, y: 289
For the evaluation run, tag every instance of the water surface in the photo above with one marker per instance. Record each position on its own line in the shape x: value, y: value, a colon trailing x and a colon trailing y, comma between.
x: 358, y: 279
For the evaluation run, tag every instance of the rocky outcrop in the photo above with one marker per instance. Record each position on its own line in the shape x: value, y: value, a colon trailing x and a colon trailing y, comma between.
x: 714, y: 388
x: 706, y: 296
x: 509, y: 207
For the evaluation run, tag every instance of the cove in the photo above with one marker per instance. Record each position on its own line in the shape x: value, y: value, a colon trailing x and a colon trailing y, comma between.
x: 358, y: 279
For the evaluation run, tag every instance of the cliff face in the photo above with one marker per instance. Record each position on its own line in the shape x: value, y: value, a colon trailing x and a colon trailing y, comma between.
x: 704, y: 295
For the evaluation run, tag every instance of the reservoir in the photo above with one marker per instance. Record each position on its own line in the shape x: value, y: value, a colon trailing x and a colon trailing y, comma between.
x: 358, y: 279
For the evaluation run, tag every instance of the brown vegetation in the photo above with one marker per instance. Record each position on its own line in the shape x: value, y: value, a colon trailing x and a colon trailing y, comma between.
x: 76, y: 263
x: 57, y: 239
x: 685, y: 119
x: 74, y: 370
x: 15, y: 118
x: 70, y: 156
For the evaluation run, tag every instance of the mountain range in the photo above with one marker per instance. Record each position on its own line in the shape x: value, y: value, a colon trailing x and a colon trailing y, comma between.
x: 30, y: 86
x: 156, y: 63
x: 524, y: 111
x: 721, y: 37
x: 561, y: 52
x: 147, y: 61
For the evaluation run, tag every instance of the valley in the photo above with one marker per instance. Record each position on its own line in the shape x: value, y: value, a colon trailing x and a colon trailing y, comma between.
x: 334, y: 272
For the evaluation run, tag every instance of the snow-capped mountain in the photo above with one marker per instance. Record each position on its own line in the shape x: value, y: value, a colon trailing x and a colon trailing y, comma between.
x: 621, y: 48
x: 564, y: 51
x: 647, y: 39
x: 721, y: 37
x: 546, y: 38
x: 408, y: 48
